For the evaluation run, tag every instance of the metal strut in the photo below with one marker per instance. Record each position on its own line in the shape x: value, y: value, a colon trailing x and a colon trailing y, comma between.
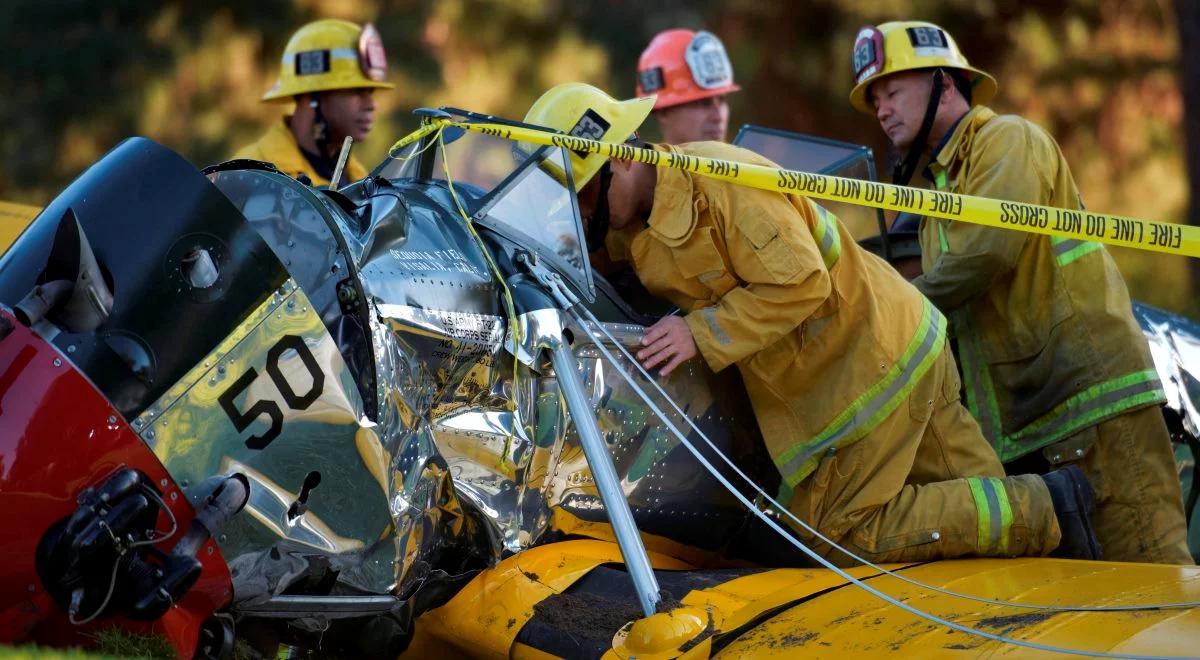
x: 750, y: 506
x: 566, y: 369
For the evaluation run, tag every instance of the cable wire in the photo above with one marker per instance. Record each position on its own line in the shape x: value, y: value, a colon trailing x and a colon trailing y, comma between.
x: 808, y: 528
x: 514, y: 327
x: 802, y: 546
x: 170, y: 515
x: 112, y: 582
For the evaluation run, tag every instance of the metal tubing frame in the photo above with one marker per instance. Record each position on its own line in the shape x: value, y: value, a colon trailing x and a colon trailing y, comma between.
x: 566, y: 369
x: 329, y: 607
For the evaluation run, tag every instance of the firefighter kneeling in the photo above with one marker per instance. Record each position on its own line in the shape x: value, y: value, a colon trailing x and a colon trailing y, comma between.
x: 846, y: 364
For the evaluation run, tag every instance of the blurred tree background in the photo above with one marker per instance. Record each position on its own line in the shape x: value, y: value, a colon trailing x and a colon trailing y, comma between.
x: 1103, y: 76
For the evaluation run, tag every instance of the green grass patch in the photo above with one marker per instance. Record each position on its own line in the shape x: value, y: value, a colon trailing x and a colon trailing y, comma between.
x: 110, y: 643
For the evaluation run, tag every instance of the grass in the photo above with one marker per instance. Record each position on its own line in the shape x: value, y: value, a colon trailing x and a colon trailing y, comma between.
x: 109, y: 643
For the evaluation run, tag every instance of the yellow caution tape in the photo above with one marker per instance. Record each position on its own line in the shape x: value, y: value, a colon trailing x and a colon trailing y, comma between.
x: 1081, y: 225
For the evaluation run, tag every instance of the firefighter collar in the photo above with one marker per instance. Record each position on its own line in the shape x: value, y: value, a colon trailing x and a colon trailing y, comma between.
x: 280, y: 143
x: 673, y: 215
x: 960, y: 137
x: 949, y: 134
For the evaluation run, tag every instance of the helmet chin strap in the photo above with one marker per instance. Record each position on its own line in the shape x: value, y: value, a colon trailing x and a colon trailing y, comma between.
x: 320, y: 127
x: 598, y: 224
x: 903, y: 172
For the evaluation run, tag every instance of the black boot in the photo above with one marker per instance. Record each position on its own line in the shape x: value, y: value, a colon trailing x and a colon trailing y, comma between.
x: 1074, y: 505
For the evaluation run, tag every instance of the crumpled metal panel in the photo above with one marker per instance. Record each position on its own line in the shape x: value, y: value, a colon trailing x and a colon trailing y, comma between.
x: 518, y: 464
x: 483, y: 330
x: 515, y: 456
x: 321, y: 428
x: 421, y: 500
x: 466, y: 382
x: 1175, y: 345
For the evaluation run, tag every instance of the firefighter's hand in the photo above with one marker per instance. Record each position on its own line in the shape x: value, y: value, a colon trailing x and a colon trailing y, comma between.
x: 668, y: 340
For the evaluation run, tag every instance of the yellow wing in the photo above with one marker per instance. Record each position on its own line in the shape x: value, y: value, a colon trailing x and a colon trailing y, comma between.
x: 13, y: 220
x: 572, y: 599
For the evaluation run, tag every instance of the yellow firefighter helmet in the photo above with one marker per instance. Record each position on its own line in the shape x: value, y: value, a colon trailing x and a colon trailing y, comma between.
x: 581, y: 110
x: 330, y: 54
x: 906, y: 46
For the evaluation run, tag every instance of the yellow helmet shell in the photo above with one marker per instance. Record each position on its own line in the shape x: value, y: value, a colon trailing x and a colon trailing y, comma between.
x: 581, y: 110
x: 330, y: 54
x: 907, y: 46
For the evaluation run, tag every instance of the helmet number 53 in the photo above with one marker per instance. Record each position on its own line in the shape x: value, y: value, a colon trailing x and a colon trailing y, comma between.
x: 243, y: 419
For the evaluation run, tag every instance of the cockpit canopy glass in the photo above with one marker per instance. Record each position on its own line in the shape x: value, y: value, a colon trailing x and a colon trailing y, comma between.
x: 522, y: 192
x: 478, y: 162
x: 539, y: 210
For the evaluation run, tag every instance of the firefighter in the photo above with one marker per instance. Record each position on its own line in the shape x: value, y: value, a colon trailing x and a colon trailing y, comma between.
x: 331, y: 69
x: 689, y: 74
x: 844, y: 361
x: 1056, y: 369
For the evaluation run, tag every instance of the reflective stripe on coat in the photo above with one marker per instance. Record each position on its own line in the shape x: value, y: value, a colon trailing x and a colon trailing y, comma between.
x: 1047, y: 341
x: 829, y: 339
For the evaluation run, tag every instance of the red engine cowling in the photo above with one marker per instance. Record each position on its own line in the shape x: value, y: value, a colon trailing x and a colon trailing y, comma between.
x: 58, y: 437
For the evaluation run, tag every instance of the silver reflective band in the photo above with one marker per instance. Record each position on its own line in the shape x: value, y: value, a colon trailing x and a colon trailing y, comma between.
x: 710, y: 317
x: 1065, y: 246
x: 334, y: 54
x: 894, y: 387
x: 995, y: 519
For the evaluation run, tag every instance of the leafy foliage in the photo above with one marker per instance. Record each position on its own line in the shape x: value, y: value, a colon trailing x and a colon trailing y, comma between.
x: 1100, y: 75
